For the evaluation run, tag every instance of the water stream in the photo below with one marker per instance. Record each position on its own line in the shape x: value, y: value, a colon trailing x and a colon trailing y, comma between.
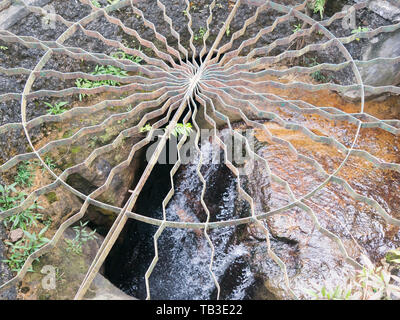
x: 182, y: 271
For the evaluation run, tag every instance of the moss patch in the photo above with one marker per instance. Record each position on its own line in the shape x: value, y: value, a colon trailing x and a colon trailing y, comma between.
x: 51, y: 197
x: 68, y: 134
x: 75, y: 149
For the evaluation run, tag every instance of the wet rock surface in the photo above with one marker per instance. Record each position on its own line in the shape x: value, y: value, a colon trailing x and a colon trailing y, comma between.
x: 388, y: 9
x: 313, y: 259
x: 242, y: 263
x: 16, y: 234
x: 16, y: 12
x: 5, y: 273
x: 385, y: 73
x: 70, y: 269
x: 102, y: 289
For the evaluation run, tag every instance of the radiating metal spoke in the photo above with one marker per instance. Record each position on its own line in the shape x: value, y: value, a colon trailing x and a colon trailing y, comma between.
x: 225, y: 77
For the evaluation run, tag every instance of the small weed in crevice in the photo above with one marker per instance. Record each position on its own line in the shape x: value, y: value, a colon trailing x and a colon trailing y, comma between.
x: 56, y: 108
x: 370, y: 283
x: 123, y: 55
x: 359, y: 30
x: 316, y: 75
x: 296, y: 28
x: 25, y: 218
x: 107, y: 70
x: 145, y: 128
x: 22, y: 249
x: 180, y: 129
x: 319, y: 7
x: 10, y: 197
x: 24, y: 175
x: 18, y: 252
x: 96, y: 3
x: 82, y: 235
x: 50, y: 163
x: 100, y: 70
x: 200, y: 34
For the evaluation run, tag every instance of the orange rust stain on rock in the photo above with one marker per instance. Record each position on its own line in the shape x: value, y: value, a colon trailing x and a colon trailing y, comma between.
x: 387, y: 109
x: 378, y: 142
x: 305, y: 145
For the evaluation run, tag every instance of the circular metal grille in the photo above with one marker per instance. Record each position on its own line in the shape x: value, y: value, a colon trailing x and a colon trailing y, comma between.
x: 231, y: 74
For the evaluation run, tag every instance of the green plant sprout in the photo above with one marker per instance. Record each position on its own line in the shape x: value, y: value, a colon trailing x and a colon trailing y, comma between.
x: 93, y: 141
x: 319, y: 7
x: 60, y: 275
x: 182, y: 129
x: 81, y: 237
x: 100, y: 70
x: 377, y: 283
x: 393, y: 256
x: 359, y: 30
x: 200, y: 34
x: 296, y: 28
x: 50, y: 163
x: 370, y: 283
x: 3, y: 48
x: 22, y: 249
x: 146, y: 128
x: 111, y: 2
x: 96, y: 3
x: 123, y: 55
x: 24, y: 175
x: 317, y: 75
x: 24, y: 219
x: 325, y: 294
x: 7, y: 200
x: 48, y: 221
x: 228, y: 30
x: 56, y: 108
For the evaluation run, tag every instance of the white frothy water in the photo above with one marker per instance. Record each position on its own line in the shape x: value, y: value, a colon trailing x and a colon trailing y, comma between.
x: 182, y: 271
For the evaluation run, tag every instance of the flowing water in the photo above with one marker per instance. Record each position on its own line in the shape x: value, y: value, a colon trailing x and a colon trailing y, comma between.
x: 182, y: 271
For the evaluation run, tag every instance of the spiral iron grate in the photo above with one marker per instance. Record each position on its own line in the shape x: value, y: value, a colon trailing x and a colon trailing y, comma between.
x: 224, y: 74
